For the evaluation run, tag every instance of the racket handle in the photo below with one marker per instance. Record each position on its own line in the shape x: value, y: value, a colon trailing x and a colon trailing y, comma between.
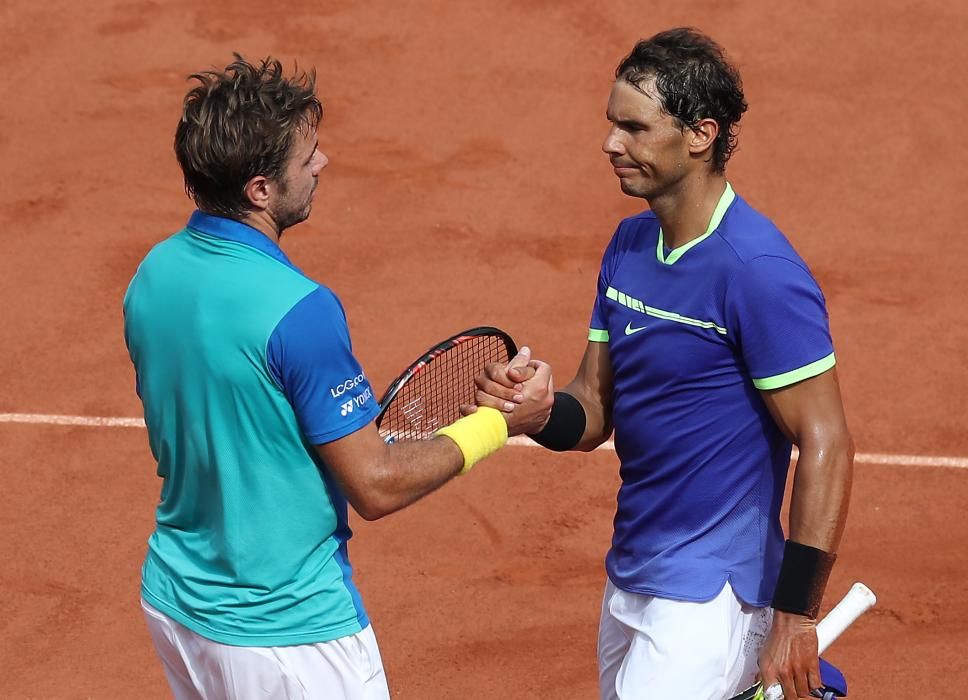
x: 774, y: 692
x: 859, y: 599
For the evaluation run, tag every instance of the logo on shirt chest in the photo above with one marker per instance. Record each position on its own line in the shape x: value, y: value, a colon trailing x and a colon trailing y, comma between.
x: 638, y: 305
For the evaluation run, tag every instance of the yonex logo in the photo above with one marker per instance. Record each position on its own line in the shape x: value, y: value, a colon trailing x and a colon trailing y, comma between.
x: 629, y: 330
x: 346, y: 407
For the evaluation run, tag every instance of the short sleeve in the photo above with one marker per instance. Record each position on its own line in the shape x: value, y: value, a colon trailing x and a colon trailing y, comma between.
x: 598, y: 326
x: 310, y: 355
x: 777, y: 314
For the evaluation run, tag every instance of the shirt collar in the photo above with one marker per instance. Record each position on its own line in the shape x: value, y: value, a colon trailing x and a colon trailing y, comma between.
x: 236, y: 231
x: 670, y: 257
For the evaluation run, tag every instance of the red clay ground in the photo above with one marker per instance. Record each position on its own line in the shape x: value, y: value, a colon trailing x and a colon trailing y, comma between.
x: 466, y: 186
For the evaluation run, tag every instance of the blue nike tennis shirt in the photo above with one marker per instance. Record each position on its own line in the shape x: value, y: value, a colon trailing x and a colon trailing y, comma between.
x: 694, y: 334
x: 243, y: 364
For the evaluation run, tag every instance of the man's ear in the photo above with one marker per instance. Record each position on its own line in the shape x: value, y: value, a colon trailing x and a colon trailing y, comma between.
x: 703, y: 136
x: 258, y: 190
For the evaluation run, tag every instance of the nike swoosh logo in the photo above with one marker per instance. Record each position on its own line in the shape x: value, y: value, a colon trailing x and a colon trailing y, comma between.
x: 629, y: 330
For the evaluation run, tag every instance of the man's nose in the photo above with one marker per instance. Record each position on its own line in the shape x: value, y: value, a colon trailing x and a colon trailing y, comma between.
x: 612, y: 144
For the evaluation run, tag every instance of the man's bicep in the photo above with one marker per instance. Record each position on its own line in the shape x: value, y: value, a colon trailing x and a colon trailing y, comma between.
x: 811, y: 409
x: 811, y: 413
x: 352, y: 459
x: 594, y: 377
x: 592, y: 386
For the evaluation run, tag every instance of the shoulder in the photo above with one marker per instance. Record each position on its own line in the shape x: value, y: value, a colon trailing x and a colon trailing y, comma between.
x: 312, y: 330
x: 165, y: 248
x: 324, y: 300
x: 750, y: 235
x: 764, y: 261
x: 643, y: 221
x: 636, y: 231
x: 320, y: 307
x: 157, y: 261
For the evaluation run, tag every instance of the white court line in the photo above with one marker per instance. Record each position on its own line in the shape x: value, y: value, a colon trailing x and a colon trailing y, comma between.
x: 89, y: 421
x: 100, y: 421
x: 859, y: 458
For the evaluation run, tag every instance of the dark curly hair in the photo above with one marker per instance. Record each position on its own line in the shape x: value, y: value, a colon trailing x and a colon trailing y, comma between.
x: 237, y: 124
x: 694, y: 81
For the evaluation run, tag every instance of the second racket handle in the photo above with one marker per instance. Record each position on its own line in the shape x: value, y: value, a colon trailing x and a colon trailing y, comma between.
x: 774, y: 692
x: 859, y: 599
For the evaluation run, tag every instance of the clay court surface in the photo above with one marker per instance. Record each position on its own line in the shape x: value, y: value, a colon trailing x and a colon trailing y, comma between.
x: 466, y: 186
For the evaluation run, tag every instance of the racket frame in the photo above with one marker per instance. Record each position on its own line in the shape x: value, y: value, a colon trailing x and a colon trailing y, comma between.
x: 415, y: 367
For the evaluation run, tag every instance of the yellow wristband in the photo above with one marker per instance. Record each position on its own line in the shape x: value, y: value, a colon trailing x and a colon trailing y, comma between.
x: 477, y: 435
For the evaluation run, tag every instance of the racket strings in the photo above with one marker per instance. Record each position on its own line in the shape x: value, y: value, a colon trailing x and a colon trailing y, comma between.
x: 431, y: 398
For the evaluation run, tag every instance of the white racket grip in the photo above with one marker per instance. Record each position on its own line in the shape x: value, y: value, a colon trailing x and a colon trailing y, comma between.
x: 859, y: 599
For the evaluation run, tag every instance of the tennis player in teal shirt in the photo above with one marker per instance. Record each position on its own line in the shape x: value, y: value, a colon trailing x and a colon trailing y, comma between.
x: 261, y: 419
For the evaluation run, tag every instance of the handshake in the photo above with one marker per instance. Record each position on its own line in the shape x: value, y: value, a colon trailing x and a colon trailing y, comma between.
x: 522, y: 390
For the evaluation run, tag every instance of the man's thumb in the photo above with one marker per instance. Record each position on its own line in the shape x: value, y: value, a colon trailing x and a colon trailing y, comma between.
x: 517, y: 367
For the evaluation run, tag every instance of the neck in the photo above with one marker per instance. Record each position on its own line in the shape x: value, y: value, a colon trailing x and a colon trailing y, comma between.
x: 684, y: 212
x: 262, y: 222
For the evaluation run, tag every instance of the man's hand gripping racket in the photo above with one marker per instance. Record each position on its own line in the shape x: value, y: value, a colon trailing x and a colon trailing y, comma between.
x: 859, y: 599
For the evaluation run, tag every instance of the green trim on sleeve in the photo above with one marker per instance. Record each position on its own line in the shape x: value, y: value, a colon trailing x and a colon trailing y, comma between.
x: 797, y: 375
x: 597, y: 336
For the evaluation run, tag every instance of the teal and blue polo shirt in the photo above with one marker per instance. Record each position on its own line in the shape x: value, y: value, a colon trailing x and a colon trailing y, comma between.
x: 243, y: 364
x: 694, y: 334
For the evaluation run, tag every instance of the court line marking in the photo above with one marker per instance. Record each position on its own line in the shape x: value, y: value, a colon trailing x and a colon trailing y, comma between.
x: 518, y: 441
x: 87, y: 421
x: 859, y: 458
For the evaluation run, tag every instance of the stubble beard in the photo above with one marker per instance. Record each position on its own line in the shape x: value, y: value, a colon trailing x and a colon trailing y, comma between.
x: 290, y: 216
x: 636, y: 189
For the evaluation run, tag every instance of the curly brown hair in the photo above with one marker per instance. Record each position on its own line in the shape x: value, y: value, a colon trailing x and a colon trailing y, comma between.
x: 694, y: 81
x: 237, y: 124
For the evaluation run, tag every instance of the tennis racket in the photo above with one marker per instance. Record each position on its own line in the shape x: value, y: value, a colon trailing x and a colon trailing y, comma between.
x: 859, y: 599
x: 429, y: 393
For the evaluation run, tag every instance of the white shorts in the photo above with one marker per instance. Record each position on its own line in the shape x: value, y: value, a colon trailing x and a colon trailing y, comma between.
x: 653, y: 648
x: 348, y: 668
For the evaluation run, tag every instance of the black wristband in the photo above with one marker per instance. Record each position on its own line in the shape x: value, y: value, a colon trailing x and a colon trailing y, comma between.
x: 565, y: 426
x: 803, y: 578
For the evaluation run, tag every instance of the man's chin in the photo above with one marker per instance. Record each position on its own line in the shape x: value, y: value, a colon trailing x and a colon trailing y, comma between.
x: 633, y: 189
x: 289, y: 222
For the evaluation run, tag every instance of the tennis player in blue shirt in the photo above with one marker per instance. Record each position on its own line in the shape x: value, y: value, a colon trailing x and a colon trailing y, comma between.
x: 709, y: 353
x: 261, y: 419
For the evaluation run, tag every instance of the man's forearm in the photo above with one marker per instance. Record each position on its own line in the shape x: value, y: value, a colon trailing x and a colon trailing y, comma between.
x: 598, y: 423
x: 407, y: 472
x: 821, y: 491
